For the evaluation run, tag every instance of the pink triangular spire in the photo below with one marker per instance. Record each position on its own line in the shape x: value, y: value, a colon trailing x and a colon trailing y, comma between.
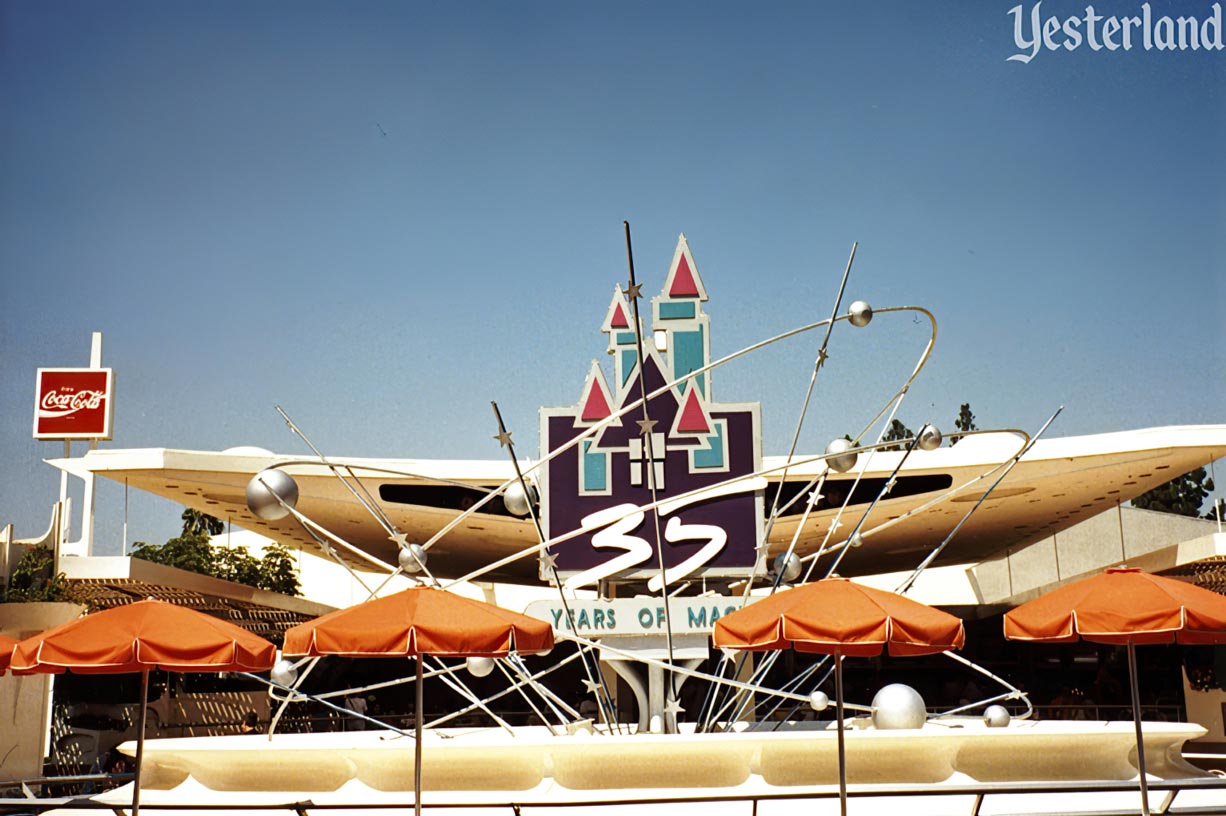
x: 617, y: 317
x: 683, y: 281
x: 595, y: 402
x: 618, y: 320
x: 692, y: 420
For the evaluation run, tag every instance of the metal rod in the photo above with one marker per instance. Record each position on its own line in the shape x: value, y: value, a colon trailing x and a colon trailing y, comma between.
x: 1136, y: 720
x: 838, y: 698
x: 804, y: 408
x: 649, y: 449
x: 451, y: 679
x: 521, y: 688
x: 1017, y: 457
x: 604, y: 700
x: 596, y: 428
x: 417, y: 714
x: 364, y: 498
x: 140, y: 741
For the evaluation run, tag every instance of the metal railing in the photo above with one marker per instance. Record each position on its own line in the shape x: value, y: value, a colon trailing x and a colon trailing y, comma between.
x: 1109, y: 712
x: 977, y: 794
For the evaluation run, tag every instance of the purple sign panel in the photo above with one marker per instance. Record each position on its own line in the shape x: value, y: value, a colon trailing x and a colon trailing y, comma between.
x: 693, y: 459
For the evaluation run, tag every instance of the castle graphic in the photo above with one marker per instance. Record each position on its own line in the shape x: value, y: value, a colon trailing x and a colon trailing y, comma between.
x: 688, y: 443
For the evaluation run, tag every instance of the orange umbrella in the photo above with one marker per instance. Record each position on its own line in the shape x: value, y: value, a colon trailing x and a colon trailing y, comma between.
x: 6, y: 651
x: 838, y: 617
x: 139, y: 637
x: 1123, y: 607
x: 417, y: 622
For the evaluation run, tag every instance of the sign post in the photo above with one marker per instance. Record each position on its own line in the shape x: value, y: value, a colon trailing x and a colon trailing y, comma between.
x: 76, y: 403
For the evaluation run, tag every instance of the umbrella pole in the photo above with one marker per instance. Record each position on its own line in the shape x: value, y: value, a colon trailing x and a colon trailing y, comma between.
x: 140, y: 741
x: 417, y: 739
x: 1136, y: 720
x: 838, y: 707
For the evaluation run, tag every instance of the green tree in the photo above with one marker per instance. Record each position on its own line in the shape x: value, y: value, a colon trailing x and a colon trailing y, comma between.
x: 897, y: 431
x: 1182, y: 495
x: 1216, y: 506
x: 32, y: 579
x: 237, y: 565
x: 190, y: 551
x: 277, y: 572
x: 201, y: 523
x: 194, y: 551
x: 965, y: 421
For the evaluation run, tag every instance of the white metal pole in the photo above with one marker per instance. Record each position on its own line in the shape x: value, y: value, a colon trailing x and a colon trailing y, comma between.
x: 87, y: 506
x: 123, y: 545
x: 64, y: 473
x: 65, y: 521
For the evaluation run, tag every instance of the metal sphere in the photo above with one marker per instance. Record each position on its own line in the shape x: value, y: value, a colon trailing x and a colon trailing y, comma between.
x: 787, y: 567
x: 284, y: 673
x: 479, y: 666
x: 855, y: 541
x: 861, y: 314
x: 898, y: 706
x: 412, y: 559
x: 819, y: 700
x: 929, y: 438
x: 264, y: 489
x: 517, y: 502
x: 845, y: 462
x: 996, y: 716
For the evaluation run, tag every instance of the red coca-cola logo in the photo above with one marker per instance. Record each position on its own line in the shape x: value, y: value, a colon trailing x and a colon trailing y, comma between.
x: 73, y: 404
x: 62, y: 403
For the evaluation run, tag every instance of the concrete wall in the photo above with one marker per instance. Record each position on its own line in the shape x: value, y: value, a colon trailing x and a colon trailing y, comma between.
x: 25, y: 702
x: 1129, y: 535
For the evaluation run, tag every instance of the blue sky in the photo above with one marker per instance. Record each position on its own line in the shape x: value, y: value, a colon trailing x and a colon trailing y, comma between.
x: 382, y: 216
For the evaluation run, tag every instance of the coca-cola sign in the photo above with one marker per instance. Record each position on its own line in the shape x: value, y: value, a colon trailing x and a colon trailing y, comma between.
x: 73, y: 403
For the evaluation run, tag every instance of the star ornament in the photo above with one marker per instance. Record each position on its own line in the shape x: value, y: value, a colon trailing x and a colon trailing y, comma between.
x: 504, y: 439
x: 633, y: 290
x: 673, y: 707
x: 549, y: 561
x: 591, y: 687
x: 646, y: 426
